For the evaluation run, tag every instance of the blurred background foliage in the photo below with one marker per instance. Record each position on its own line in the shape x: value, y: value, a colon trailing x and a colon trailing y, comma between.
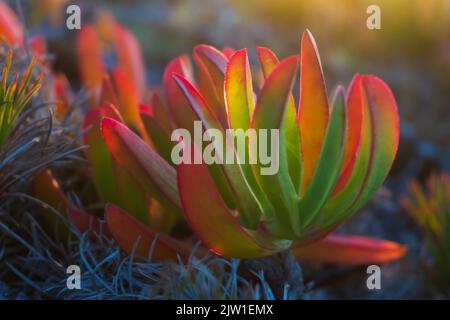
x: 411, y: 51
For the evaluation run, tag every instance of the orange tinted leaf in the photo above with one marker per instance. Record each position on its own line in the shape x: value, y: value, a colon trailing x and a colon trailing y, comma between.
x: 128, y: 96
x: 179, y: 108
x: 130, y: 57
x: 107, y: 93
x: 84, y: 222
x: 354, y: 131
x: 212, y: 65
x: 228, y: 52
x: 350, y: 250
x: 90, y: 61
x: 132, y: 235
x: 239, y: 91
x: 213, y: 222
x: 313, y: 108
x: 234, y: 182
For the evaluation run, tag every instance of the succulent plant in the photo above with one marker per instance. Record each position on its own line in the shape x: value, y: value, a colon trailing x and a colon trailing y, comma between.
x: 430, y: 208
x: 333, y: 156
x: 108, y: 38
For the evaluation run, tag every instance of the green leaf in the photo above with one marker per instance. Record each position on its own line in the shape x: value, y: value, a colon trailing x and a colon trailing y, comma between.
x: 329, y: 164
x: 213, y: 222
x: 248, y: 206
x: 148, y: 168
x: 269, y: 61
x: 269, y: 114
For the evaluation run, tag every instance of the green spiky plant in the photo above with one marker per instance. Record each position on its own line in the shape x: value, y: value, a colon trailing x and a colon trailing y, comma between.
x: 430, y: 208
x: 15, y: 95
x: 27, y: 142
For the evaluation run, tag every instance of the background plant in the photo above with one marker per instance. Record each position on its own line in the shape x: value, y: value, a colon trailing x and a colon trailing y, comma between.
x: 430, y: 208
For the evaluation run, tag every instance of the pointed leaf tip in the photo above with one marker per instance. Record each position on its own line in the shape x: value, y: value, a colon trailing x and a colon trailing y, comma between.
x: 313, y: 111
x: 239, y: 100
x: 144, y: 164
x: 350, y: 250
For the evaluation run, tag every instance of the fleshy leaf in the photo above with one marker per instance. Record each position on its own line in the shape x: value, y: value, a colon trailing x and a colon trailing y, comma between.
x: 239, y: 91
x: 376, y: 152
x: 179, y: 108
x: 329, y: 164
x: 350, y: 250
x: 147, y: 167
x: 184, y: 116
x: 130, y: 57
x: 98, y: 154
x: 240, y: 104
x: 130, y: 195
x: 107, y: 93
x: 128, y: 100
x: 134, y: 237
x: 354, y: 132
x: 339, y: 204
x: 248, y: 206
x: 112, y: 183
x: 84, y: 221
x: 269, y: 114
x: 269, y: 61
x: 212, y: 67
x: 385, y: 132
x: 154, y: 127
x: 161, y: 113
x: 228, y: 52
x: 90, y: 59
x: 313, y: 111
x: 213, y: 222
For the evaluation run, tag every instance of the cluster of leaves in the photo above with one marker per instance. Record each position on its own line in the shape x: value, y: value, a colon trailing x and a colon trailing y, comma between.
x: 333, y: 156
x: 430, y: 208
x: 14, y: 97
x: 232, y: 209
x: 29, y: 139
